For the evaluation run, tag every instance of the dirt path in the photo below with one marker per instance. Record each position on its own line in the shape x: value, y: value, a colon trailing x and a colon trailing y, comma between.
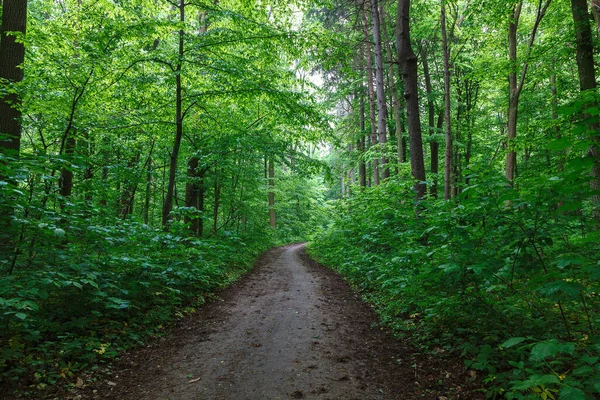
x: 290, y: 329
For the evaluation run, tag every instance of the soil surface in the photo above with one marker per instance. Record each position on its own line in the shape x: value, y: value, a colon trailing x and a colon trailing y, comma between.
x: 290, y: 329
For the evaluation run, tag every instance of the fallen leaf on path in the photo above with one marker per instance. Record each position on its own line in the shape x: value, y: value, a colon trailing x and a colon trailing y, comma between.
x: 79, y: 383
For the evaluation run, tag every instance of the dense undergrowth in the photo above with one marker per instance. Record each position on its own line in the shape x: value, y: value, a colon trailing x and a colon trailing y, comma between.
x: 72, y: 306
x: 509, y: 278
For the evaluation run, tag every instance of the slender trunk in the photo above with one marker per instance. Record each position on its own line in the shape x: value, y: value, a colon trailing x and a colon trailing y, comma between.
x: 168, y: 203
x: 513, y: 95
x: 516, y: 84
x: 408, y: 62
x: 129, y: 187
x: 200, y: 203
x: 595, y: 7
x: 392, y: 85
x: 433, y: 143
x: 371, y: 89
x: 471, y: 89
x: 448, y: 155
x: 217, y: 197
x: 362, y: 166
x: 146, y: 212
x: 191, y: 193
x: 380, y: 88
x: 65, y: 181
x: 271, y: 195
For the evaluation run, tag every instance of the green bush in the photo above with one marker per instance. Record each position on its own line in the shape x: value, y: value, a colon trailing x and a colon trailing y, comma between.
x: 508, y: 278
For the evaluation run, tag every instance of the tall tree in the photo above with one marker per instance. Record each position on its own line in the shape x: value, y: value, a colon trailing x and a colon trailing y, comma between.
x: 12, y: 56
x: 516, y: 84
x: 168, y: 204
x: 587, y: 81
x: 379, y: 85
x: 371, y: 91
x: 408, y: 61
x: 448, y: 153
x: 433, y: 143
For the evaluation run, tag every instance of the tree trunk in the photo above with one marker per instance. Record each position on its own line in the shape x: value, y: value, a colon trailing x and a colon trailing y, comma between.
x: 12, y: 55
x: 191, y: 193
x: 65, y: 181
x: 408, y: 62
x: 448, y: 154
x: 433, y: 143
x: 380, y: 88
x: 516, y: 86
x: 146, y: 211
x: 595, y: 6
x: 587, y: 81
x: 168, y: 204
x: 271, y: 195
x: 362, y: 166
x: 217, y: 198
x: 513, y: 95
x: 371, y: 89
x: 392, y: 87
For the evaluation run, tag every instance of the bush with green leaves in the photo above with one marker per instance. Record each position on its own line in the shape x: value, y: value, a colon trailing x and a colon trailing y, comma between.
x: 509, y: 278
x: 105, y: 289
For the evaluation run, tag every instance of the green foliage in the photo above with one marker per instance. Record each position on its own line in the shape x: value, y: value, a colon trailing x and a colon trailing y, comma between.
x: 508, y: 278
x: 87, y: 304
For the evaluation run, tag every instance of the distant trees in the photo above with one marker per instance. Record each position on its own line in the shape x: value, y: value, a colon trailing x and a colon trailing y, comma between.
x: 448, y: 62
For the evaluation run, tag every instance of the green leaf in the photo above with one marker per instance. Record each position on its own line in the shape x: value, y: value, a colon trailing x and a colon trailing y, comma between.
x: 571, y: 393
x: 512, y: 342
x: 554, y: 289
x: 536, y: 380
x: 21, y: 315
x: 550, y: 348
x: 586, y: 369
x: 449, y: 268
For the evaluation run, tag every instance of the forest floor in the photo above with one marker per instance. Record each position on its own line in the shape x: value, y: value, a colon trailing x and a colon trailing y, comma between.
x: 290, y: 329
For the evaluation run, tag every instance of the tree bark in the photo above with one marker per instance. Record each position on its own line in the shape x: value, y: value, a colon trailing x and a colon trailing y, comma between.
x: 380, y: 88
x: 217, y: 199
x: 191, y: 193
x: 448, y: 154
x: 12, y: 56
x: 362, y: 166
x: 433, y: 143
x: 595, y: 7
x: 168, y: 204
x: 516, y: 85
x: 371, y: 89
x: 408, y: 62
x: 587, y: 81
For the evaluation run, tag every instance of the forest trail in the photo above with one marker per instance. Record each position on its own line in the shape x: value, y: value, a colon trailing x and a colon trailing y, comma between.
x: 289, y: 329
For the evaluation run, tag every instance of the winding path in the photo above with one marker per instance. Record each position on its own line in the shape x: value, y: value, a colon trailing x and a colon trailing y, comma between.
x: 289, y: 329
